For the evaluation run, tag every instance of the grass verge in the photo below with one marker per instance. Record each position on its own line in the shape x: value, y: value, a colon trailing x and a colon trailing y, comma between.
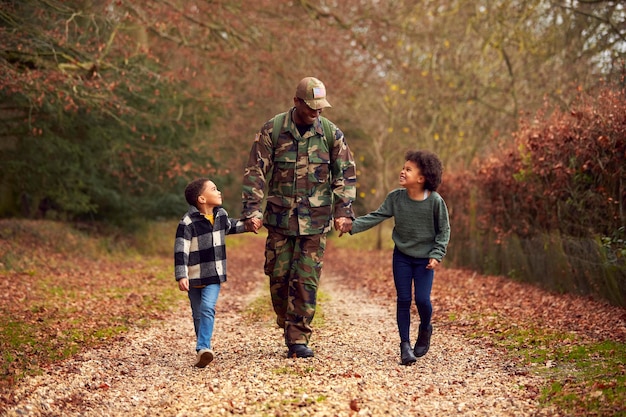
x: 64, y: 288
x: 581, y: 377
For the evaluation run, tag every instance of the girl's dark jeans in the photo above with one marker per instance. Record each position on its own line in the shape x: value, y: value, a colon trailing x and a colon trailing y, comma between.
x: 411, y: 272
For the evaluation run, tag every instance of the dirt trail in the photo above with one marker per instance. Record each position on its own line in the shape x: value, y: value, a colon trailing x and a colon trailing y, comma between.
x: 355, y: 370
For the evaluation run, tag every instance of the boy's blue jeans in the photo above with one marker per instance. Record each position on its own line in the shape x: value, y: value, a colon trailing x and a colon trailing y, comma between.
x: 203, y: 302
x: 409, y: 271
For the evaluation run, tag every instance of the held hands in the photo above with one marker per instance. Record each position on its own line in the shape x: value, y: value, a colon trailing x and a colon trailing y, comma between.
x: 253, y: 224
x: 343, y: 225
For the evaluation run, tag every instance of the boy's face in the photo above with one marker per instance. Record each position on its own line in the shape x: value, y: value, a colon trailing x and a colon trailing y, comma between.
x: 210, y: 195
x: 411, y: 175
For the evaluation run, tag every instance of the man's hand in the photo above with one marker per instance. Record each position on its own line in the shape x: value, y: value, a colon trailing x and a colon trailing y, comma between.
x: 253, y: 224
x: 183, y: 284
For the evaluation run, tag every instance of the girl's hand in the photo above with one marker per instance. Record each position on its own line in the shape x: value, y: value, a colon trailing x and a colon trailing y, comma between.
x: 432, y: 263
x: 183, y: 284
x: 343, y: 225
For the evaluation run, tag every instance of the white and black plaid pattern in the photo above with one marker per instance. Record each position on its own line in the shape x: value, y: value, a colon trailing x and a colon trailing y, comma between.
x: 200, y: 247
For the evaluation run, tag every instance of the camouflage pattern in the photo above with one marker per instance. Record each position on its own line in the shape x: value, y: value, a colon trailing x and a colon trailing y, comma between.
x: 309, y: 180
x: 309, y: 183
x: 294, y: 265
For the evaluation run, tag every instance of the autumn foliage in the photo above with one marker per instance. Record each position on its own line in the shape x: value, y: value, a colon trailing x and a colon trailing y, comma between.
x: 561, y: 182
x: 99, y: 118
x: 108, y: 108
x: 566, y: 172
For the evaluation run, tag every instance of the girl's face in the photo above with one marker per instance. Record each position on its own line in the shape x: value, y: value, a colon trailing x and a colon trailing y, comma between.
x: 411, y: 176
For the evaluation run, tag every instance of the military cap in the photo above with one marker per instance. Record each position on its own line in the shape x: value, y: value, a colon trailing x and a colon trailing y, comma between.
x: 313, y: 92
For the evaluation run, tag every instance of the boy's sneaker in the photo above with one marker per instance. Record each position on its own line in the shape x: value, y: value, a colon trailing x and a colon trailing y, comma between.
x: 299, y: 351
x: 204, y: 357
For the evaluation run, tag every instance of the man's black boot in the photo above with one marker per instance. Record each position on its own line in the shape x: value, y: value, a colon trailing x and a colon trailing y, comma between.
x: 299, y: 351
x: 406, y: 354
x: 423, y: 341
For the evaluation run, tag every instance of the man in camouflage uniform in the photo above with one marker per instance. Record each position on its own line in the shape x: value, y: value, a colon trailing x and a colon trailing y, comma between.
x: 310, y: 179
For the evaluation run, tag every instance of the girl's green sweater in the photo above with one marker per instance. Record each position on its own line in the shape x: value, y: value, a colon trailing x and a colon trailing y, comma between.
x: 422, y: 228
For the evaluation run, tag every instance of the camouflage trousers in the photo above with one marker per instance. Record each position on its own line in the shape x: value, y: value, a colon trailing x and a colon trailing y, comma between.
x: 294, y: 266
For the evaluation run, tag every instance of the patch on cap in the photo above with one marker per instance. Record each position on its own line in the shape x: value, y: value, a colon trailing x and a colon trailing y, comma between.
x: 319, y: 92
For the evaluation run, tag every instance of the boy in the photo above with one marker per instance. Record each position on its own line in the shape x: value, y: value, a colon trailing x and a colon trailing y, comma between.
x: 200, y: 257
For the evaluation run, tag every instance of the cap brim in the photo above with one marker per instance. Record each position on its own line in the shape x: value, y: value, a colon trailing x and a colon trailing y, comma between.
x: 317, y: 104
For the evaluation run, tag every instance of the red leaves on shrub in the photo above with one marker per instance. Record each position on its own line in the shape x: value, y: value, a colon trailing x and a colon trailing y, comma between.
x: 563, y: 172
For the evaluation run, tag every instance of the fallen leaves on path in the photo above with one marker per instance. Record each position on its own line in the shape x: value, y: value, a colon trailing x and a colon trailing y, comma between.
x: 148, y: 370
x: 470, y: 298
x: 355, y: 370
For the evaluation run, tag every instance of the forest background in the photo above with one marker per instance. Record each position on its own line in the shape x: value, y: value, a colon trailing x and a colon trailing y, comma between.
x: 108, y: 108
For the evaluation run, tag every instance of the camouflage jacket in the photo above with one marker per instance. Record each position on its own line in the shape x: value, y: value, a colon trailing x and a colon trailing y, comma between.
x: 307, y: 183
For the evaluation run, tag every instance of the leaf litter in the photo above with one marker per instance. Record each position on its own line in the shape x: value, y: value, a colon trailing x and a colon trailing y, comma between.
x: 355, y: 371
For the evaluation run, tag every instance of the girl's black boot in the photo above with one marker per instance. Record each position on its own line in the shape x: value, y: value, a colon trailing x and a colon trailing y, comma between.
x: 406, y: 354
x: 423, y: 341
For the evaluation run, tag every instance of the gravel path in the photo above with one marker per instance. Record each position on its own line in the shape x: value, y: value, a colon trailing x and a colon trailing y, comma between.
x: 355, y: 370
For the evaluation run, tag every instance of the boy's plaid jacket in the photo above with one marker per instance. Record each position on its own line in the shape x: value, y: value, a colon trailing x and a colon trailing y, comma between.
x: 200, y: 247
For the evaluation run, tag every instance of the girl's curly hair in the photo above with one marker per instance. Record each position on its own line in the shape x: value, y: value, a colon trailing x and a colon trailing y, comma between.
x: 429, y: 165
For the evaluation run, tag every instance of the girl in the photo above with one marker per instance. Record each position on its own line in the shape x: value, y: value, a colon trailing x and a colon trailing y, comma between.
x: 421, y: 234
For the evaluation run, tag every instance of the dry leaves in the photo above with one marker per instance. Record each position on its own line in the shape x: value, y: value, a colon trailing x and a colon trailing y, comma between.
x: 470, y: 297
x: 355, y: 371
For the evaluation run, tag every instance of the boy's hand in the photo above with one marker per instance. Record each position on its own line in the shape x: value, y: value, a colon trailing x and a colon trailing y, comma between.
x: 432, y: 263
x: 183, y: 284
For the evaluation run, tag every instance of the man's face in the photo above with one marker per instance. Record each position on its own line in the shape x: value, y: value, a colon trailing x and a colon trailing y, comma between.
x: 304, y: 115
